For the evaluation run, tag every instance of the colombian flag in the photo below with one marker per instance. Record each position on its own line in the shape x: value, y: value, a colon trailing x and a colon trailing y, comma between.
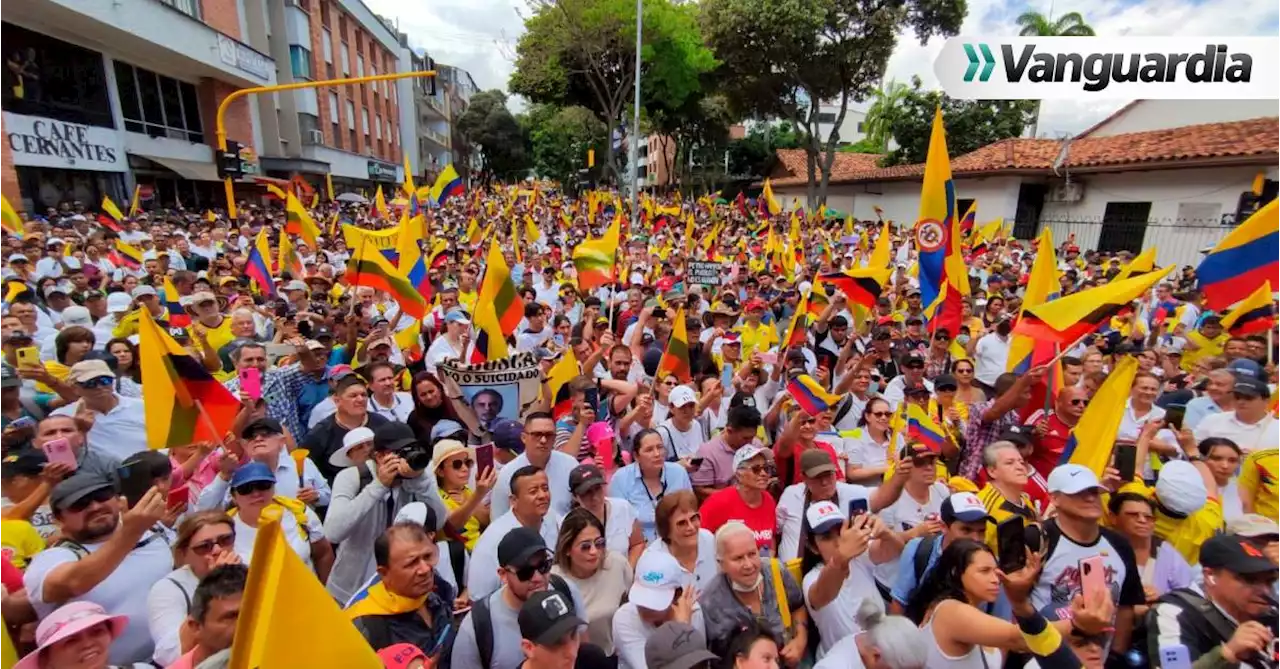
x: 497, y: 289
x: 937, y: 212
x: 110, y: 218
x: 258, y: 265
x: 128, y: 256
x: 810, y: 394
x: 595, y: 259
x: 299, y: 222
x: 558, y: 378
x: 1042, y: 286
x: 675, y: 360
x: 491, y: 343
x: 447, y: 185
x: 861, y: 286
x: 1254, y: 314
x: 368, y: 267
x: 796, y: 333
x: 178, y: 316
x: 1243, y: 260
x: 411, y: 262
x: 10, y: 220
x: 1067, y: 319
x: 922, y: 430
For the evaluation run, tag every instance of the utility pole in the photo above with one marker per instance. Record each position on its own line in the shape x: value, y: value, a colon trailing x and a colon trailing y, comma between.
x: 634, y: 163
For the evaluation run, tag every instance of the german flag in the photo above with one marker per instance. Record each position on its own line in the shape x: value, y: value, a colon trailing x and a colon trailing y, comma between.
x: 498, y: 290
x: 861, y: 286
x: 675, y: 360
x: 299, y: 222
x: 491, y: 343
x: 558, y: 378
x: 1067, y: 319
x: 184, y: 403
x: 368, y: 267
x: 1254, y: 314
x: 796, y: 332
x: 110, y: 218
x: 127, y: 255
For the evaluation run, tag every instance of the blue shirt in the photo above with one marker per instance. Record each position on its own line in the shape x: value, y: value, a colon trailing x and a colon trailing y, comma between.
x: 627, y: 486
x: 1198, y: 409
x: 906, y: 585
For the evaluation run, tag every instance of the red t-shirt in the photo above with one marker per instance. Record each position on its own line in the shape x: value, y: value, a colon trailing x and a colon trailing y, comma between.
x: 726, y: 505
x: 788, y: 467
x: 1049, y: 448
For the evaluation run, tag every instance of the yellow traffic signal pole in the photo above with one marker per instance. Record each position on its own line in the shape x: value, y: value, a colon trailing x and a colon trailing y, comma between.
x: 236, y: 95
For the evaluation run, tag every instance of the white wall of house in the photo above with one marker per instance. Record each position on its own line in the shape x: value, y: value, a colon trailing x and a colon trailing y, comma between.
x: 997, y: 197
x: 1161, y: 114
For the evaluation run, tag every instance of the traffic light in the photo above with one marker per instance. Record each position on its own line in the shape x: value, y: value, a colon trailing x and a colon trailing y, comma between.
x: 229, y: 161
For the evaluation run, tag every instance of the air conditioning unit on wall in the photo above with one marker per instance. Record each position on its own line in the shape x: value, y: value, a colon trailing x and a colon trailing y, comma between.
x: 1066, y: 191
x: 315, y: 137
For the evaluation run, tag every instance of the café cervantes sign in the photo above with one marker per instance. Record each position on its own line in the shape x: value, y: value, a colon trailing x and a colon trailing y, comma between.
x: 44, y: 142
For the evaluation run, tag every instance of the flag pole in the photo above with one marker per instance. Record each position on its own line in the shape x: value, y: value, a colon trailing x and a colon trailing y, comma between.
x: 1271, y: 336
x: 207, y: 420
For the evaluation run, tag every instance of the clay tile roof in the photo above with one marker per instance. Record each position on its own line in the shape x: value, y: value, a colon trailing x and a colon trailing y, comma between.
x: 791, y: 169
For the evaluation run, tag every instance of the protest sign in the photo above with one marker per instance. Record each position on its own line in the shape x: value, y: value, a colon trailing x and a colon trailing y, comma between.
x: 499, y: 388
x: 704, y: 273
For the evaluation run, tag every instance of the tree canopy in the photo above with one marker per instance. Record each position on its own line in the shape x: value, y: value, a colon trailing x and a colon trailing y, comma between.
x: 971, y: 124
x: 488, y: 124
x: 559, y: 138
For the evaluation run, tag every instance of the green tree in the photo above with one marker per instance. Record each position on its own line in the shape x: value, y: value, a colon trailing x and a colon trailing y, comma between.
x: 754, y: 156
x: 885, y: 108
x: 970, y: 124
x: 1035, y: 24
x: 864, y: 145
x: 559, y: 138
x: 489, y: 125
x: 582, y: 53
x: 779, y: 58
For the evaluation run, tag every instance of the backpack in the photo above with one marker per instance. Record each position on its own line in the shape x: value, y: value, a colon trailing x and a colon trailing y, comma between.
x: 1202, y: 617
x: 920, y: 561
x: 482, y: 621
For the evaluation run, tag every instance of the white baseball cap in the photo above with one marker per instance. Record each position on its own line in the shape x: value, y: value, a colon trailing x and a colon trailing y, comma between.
x: 658, y: 575
x: 1072, y: 479
x: 1180, y: 487
x: 117, y: 302
x: 823, y: 516
x: 681, y: 396
x: 744, y: 455
x: 964, y: 507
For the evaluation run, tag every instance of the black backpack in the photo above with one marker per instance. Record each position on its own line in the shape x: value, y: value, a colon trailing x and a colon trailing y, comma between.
x: 1202, y: 617
x: 482, y: 621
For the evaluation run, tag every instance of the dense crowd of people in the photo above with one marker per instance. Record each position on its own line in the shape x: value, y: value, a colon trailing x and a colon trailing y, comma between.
x: 644, y: 515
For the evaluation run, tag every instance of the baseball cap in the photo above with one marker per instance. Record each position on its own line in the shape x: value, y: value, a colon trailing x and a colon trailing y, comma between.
x: 262, y: 425
x: 914, y: 449
x: 24, y: 462
x: 338, y: 372
x: 755, y: 303
x: 350, y: 440
x: 117, y: 302
x: 1235, y: 554
x: 681, y: 396
x: 77, y: 315
x: 252, y: 472
x: 1072, y: 479
x: 400, y: 655
x: 18, y: 257
x: 295, y: 285
x: 1180, y: 488
x: 1019, y: 435
x: 823, y: 516
x: 1174, y: 399
x: 447, y: 429
x: 199, y: 298
x: 913, y: 359
x: 1252, y: 525
x: 457, y: 316
x: 506, y: 434
x: 546, y: 617
x: 945, y: 382
x: 727, y: 339
x: 676, y: 645
x: 88, y: 370
x: 1249, y: 386
x: 76, y: 487
x: 322, y: 332
x: 1245, y: 367
x: 745, y: 454
x: 585, y: 478
x: 519, y: 546
x: 815, y: 462
x: 143, y: 291
x: 393, y: 436
x: 964, y: 507
x: 313, y: 345
x: 657, y: 577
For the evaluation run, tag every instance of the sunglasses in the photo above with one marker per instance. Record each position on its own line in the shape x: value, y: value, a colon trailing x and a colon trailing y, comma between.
x: 459, y: 465
x: 1079, y: 402
x: 254, y: 486
x: 99, y: 382
x: 941, y: 338
x: 225, y: 541
x: 881, y: 414
x: 945, y: 389
x: 526, y: 572
x: 599, y: 544
x: 758, y: 470
x: 101, y: 496
x: 964, y: 372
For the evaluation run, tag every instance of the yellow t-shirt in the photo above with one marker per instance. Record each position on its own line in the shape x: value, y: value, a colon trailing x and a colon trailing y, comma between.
x: 468, y: 300
x: 1001, y: 510
x: 218, y: 337
x: 1258, y: 481
x: 1186, y: 534
x: 471, y: 531
x: 757, y: 338
x: 1205, y: 348
x: 19, y: 542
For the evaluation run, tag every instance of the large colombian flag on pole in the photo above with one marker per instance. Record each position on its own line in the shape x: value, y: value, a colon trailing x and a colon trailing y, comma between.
x: 1067, y: 319
x: 1042, y: 286
x: 1094, y: 435
x: 490, y: 343
x: 1254, y: 314
x: 675, y: 360
x: 937, y: 211
x: 184, y: 403
x: 1243, y: 260
x: 498, y: 289
x: 178, y: 316
x: 368, y: 267
x: 558, y: 378
x: 258, y: 265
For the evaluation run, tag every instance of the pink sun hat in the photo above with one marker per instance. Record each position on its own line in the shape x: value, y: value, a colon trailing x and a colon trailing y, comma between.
x: 67, y: 621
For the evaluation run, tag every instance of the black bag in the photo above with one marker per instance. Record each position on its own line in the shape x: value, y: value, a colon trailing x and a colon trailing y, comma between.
x: 482, y: 620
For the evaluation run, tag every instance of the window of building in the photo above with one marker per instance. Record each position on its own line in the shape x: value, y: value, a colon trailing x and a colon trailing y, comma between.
x: 377, y: 127
x: 359, y: 64
x: 364, y: 117
x: 324, y: 13
x: 300, y: 61
x: 351, y: 115
x: 189, y: 7
x: 337, y: 135
x: 368, y: 145
x: 304, y: 5
x: 326, y: 45
x: 346, y: 60
x: 351, y: 137
x: 359, y: 40
x: 826, y: 117
x: 333, y: 107
x: 389, y: 135
x: 860, y: 127
x: 158, y: 106
x: 51, y: 78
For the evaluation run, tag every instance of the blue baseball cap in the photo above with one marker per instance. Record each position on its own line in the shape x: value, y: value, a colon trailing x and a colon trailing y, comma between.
x: 446, y: 428
x: 252, y: 473
x: 506, y: 433
x: 457, y: 316
x: 1245, y: 367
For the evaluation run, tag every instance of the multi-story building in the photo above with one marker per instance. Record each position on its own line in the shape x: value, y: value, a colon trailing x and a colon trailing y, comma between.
x: 458, y: 89
x: 435, y: 132
x: 352, y: 132
x: 100, y: 96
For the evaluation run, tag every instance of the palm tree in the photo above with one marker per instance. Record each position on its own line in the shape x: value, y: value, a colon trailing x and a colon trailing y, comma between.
x: 883, y: 112
x: 1035, y: 24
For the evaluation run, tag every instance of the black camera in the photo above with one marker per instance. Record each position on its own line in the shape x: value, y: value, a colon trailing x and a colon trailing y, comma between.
x: 416, y: 455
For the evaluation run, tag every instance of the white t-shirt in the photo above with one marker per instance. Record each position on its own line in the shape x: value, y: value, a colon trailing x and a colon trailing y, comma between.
x: 401, y: 407
x: 1249, y: 437
x: 991, y: 358
x: 558, y: 469
x: 439, y: 351
x: 168, y: 602
x: 123, y: 592
x: 299, y: 541
x: 843, y: 655
x: 791, y: 513
x: 482, y: 577
x: 705, y: 567
x: 835, y: 621
x: 865, y: 451
x: 630, y: 634
x: 621, y: 522
x: 681, y: 444
x: 904, y: 514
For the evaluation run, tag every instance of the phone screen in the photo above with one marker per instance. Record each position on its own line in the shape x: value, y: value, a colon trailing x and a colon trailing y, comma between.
x: 134, y: 483
x: 591, y: 396
x: 251, y: 382
x: 1011, y: 545
x: 858, y: 506
x: 1173, y: 418
x: 1126, y: 461
x: 484, y: 458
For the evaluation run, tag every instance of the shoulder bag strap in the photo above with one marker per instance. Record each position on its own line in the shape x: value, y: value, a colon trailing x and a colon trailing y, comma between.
x: 780, y: 592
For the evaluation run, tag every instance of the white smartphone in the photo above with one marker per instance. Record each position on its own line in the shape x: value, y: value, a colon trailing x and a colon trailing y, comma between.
x: 1175, y: 657
x: 59, y: 450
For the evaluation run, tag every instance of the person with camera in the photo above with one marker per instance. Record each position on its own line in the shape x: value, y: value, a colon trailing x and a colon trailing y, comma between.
x: 368, y: 493
x: 1230, y: 619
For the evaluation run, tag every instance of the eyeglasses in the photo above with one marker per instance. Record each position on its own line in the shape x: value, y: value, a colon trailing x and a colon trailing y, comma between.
x: 254, y: 486
x: 1078, y: 402
x: 526, y: 572
x: 100, y: 496
x: 541, y: 436
x: 881, y: 414
x: 224, y: 541
x: 599, y: 544
x: 459, y: 465
x: 97, y: 382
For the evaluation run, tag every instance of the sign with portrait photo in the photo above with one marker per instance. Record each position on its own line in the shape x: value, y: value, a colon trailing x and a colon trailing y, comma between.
x: 503, y: 388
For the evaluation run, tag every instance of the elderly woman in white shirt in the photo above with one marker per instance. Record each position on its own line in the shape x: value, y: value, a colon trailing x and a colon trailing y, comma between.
x: 205, y: 540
